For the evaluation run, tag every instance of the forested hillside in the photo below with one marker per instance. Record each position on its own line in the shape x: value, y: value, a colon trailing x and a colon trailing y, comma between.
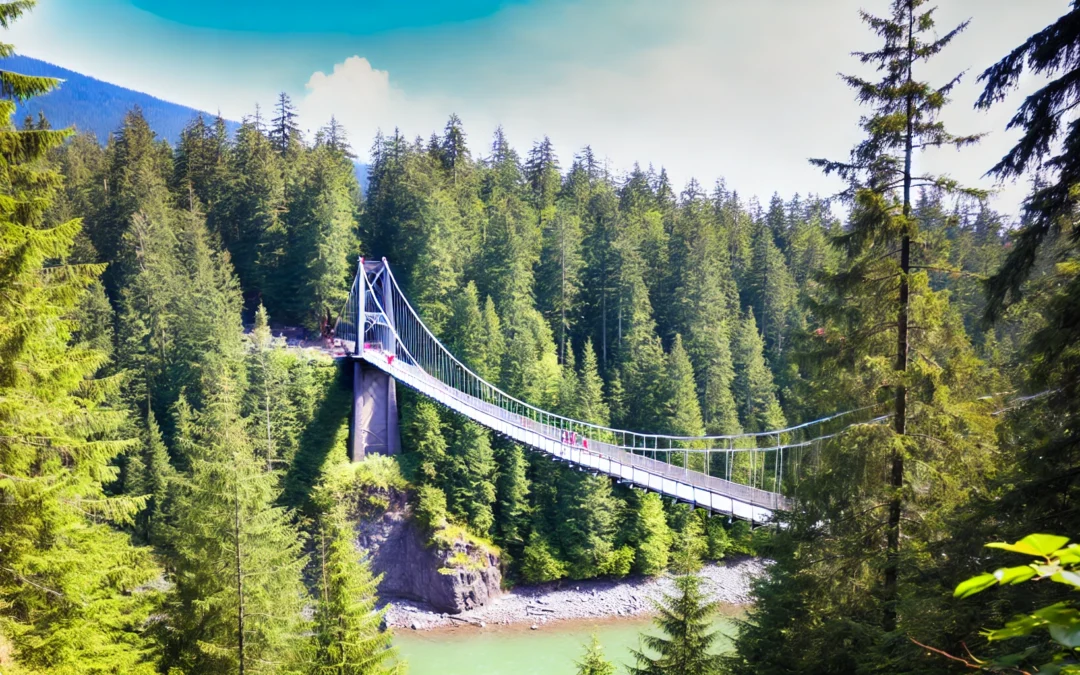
x: 170, y: 481
x: 95, y: 107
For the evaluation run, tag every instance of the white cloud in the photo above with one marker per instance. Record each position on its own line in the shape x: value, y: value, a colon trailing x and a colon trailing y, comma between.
x: 364, y: 100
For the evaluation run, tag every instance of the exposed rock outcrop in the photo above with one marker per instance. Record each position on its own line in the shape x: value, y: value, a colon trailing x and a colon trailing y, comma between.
x: 452, y: 574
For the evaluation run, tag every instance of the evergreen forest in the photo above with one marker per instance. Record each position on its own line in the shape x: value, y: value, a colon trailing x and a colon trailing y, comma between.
x: 175, y: 494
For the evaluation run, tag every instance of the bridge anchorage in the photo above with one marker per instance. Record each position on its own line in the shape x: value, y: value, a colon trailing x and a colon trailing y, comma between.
x: 747, y: 476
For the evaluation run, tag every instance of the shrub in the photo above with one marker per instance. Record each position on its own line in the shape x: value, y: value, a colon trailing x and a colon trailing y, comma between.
x: 431, y: 507
x: 538, y: 564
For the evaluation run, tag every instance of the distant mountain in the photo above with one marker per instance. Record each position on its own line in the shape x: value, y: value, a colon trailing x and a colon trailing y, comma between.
x: 98, y: 107
x: 91, y: 105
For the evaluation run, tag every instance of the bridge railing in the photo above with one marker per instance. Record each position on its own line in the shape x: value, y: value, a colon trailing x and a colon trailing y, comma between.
x: 379, y: 322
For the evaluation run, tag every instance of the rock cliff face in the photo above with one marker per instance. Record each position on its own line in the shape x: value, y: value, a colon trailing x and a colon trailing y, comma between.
x: 452, y: 576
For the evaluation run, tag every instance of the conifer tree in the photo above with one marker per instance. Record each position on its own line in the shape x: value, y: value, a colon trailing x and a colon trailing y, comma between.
x: 587, y: 511
x: 180, y: 310
x: 454, y: 152
x: 753, y: 387
x: 616, y: 397
x: 1049, y: 149
x: 771, y: 291
x: 319, y: 260
x: 70, y: 597
x: 425, y: 435
x: 348, y: 635
x: 474, y: 335
x: 471, y: 490
x: 511, y: 244
x: 494, y: 344
x: 718, y: 407
x: 903, y: 122
x: 652, y: 535
x: 593, y: 661
x: 591, y: 406
x: 642, y: 356
x: 249, y: 216
x: 538, y: 563
x: 138, y: 168
x: 199, y: 164
x: 335, y: 137
x: 437, y: 277
x: 511, y: 495
x: 567, y: 396
x: 601, y: 287
x: 268, y: 397
x: 683, y: 415
x: 465, y: 329
x: 237, y: 560
x: 150, y: 474
x: 284, y: 133
x: 684, y: 620
x: 559, y: 274
x: 530, y: 367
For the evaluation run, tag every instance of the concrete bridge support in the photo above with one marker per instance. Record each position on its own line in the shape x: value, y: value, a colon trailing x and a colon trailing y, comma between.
x: 375, y: 413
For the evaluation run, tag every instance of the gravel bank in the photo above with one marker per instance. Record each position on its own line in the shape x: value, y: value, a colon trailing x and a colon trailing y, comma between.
x: 727, y: 583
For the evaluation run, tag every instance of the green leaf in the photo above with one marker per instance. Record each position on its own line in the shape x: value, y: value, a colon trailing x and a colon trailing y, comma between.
x: 1014, y: 575
x: 1059, y: 613
x: 1069, y: 556
x: 1034, y: 544
x: 1018, y: 627
x: 1014, y: 660
x: 1067, y: 577
x: 1066, y: 635
x: 974, y: 585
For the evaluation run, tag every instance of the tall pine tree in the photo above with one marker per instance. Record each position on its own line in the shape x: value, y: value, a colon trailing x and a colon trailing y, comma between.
x: 70, y: 584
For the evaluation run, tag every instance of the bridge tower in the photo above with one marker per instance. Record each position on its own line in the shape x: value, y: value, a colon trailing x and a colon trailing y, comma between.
x: 374, y: 425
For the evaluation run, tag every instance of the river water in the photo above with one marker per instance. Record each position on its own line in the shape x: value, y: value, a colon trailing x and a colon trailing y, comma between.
x: 518, y: 650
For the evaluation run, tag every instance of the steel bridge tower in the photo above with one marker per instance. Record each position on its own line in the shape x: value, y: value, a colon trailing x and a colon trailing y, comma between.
x: 374, y: 426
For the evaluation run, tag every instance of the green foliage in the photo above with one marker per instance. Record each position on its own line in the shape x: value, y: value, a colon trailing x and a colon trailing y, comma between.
x: 511, y: 495
x: 682, y: 412
x: 424, y: 434
x: 652, y: 535
x: 538, y: 564
x: 691, y: 313
x: 1057, y: 562
x: 587, y: 513
x: 471, y: 480
x: 717, y: 539
x: 236, y: 560
x: 72, y: 596
x: 591, y: 406
x: 593, y: 661
x: 431, y: 507
x: 754, y: 390
x: 348, y: 635
x: 363, y: 488
x: 686, y: 642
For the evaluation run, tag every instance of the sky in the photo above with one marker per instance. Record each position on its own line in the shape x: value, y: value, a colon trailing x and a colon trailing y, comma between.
x: 744, y: 90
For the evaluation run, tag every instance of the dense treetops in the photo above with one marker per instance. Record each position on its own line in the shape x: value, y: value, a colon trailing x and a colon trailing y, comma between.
x: 161, y: 470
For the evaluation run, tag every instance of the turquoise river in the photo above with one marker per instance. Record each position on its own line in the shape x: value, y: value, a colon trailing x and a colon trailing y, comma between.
x: 518, y: 650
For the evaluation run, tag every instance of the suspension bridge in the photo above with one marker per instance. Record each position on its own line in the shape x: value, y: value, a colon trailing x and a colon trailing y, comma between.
x: 748, y: 476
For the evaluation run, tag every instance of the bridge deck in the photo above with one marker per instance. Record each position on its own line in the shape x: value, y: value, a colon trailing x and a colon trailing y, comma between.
x: 709, y: 492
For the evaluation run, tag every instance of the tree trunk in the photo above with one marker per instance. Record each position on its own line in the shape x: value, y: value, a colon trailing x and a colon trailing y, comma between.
x: 892, y: 562
x: 239, y: 575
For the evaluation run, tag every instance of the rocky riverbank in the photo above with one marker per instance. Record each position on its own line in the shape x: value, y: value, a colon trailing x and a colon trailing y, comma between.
x: 727, y: 583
